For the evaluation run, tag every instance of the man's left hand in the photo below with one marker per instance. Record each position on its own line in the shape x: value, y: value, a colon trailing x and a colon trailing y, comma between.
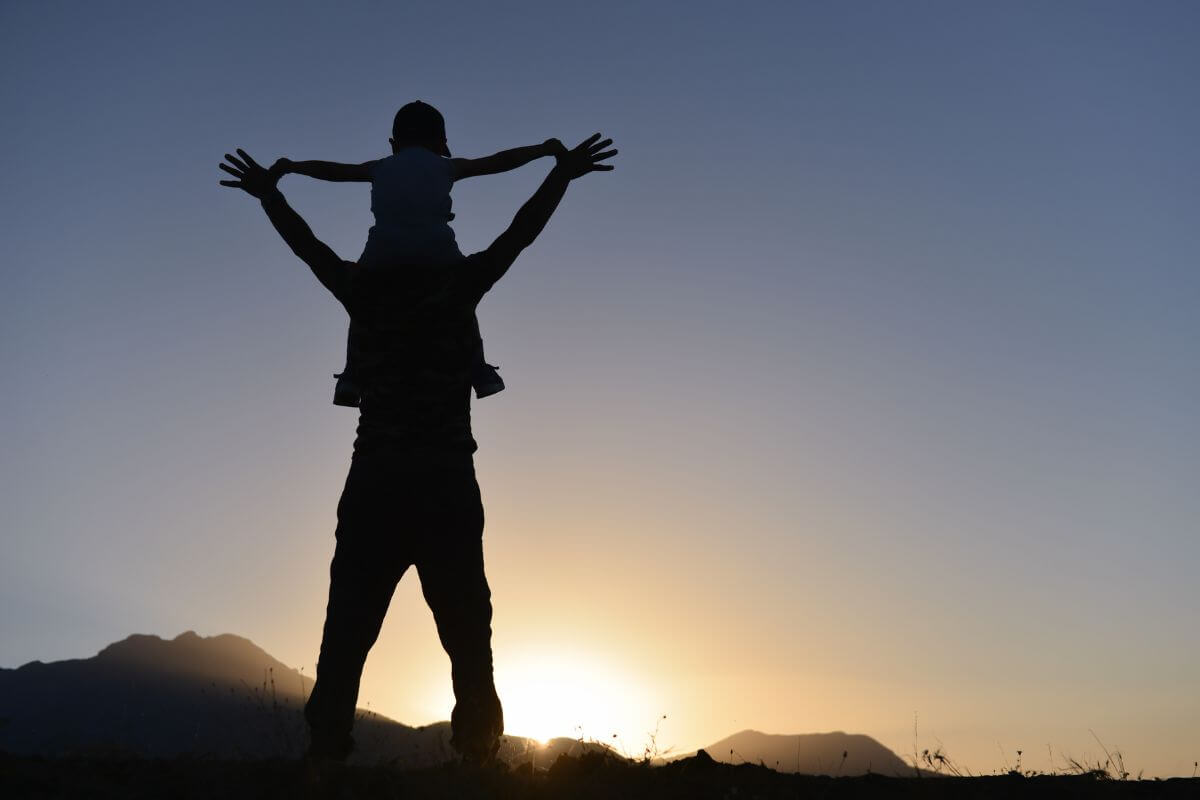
x: 251, y: 177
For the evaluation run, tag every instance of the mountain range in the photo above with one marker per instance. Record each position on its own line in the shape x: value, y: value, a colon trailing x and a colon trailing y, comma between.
x: 225, y: 697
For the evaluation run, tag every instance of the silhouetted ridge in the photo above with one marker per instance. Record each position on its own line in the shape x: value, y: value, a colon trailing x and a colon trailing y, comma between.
x: 222, y: 657
x: 156, y: 697
x: 212, y: 696
x: 834, y: 753
x: 199, y: 695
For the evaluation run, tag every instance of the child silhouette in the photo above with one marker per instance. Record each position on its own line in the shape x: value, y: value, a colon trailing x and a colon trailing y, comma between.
x: 410, y: 198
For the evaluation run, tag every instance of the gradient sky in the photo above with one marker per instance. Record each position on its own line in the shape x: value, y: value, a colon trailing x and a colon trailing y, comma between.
x: 864, y: 389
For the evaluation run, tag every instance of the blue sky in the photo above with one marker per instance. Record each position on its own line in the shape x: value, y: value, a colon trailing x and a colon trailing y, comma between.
x: 881, y: 336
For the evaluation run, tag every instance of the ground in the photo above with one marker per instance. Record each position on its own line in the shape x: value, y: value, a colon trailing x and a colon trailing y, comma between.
x: 579, y: 778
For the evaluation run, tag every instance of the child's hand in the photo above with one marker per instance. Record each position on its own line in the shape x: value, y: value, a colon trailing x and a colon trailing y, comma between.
x: 554, y: 147
x: 281, y: 167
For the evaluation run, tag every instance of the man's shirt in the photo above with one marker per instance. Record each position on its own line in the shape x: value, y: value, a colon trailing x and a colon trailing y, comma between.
x: 415, y: 345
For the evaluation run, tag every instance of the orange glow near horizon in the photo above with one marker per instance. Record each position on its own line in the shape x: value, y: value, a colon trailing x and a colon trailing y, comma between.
x: 548, y: 694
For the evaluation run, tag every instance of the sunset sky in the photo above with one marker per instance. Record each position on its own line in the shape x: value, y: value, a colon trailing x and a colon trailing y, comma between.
x: 864, y: 389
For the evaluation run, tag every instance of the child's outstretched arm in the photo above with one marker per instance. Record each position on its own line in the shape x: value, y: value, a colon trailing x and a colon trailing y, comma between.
x: 504, y: 160
x: 324, y: 170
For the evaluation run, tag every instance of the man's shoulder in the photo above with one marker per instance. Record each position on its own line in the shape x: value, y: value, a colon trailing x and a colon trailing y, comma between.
x: 478, y: 272
x: 407, y: 291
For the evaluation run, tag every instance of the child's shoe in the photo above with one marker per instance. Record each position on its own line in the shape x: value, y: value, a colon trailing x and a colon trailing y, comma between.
x: 347, y: 392
x: 486, y: 380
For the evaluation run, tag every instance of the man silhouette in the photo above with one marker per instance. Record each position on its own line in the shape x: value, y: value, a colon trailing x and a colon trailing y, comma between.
x: 411, y: 497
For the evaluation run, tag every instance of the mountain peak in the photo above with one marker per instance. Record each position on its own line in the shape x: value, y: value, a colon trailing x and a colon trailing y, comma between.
x: 833, y: 753
x: 221, y: 657
x: 212, y: 694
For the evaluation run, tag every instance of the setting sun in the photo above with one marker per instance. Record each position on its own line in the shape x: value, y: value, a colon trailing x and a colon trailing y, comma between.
x: 549, y: 695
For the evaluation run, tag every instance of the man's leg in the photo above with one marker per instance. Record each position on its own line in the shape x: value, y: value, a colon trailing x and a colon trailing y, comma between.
x: 365, y: 570
x: 456, y: 589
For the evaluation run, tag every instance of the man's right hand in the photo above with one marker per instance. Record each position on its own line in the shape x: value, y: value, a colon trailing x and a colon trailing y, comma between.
x: 251, y: 178
x: 585, y: 158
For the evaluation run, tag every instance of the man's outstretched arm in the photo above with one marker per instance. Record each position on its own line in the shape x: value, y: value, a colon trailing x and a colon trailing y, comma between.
x: 258, y: 182
x: 531, y: 219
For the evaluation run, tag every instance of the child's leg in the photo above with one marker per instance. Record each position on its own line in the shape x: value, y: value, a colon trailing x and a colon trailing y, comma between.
x: 484, y: 377
x: 346, y: 392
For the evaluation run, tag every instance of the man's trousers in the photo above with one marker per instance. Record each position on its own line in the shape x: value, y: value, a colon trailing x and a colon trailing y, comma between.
x: 403, y: 507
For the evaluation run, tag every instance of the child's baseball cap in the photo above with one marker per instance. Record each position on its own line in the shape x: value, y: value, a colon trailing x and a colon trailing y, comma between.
x: 421, y: 122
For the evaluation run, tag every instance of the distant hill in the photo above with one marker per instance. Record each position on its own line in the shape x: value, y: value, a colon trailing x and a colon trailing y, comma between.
x: 811, y: 753
x: 225, y: 697
x: 216, y: 696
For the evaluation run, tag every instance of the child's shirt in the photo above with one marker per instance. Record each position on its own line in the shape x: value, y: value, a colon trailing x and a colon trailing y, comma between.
x: 410, y: 198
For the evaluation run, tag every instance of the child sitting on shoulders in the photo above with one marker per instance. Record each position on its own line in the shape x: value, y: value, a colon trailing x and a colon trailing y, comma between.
x: 410, y: 198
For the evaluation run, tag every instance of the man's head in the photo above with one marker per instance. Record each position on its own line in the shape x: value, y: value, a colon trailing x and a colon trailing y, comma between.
x: 419, y: 124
